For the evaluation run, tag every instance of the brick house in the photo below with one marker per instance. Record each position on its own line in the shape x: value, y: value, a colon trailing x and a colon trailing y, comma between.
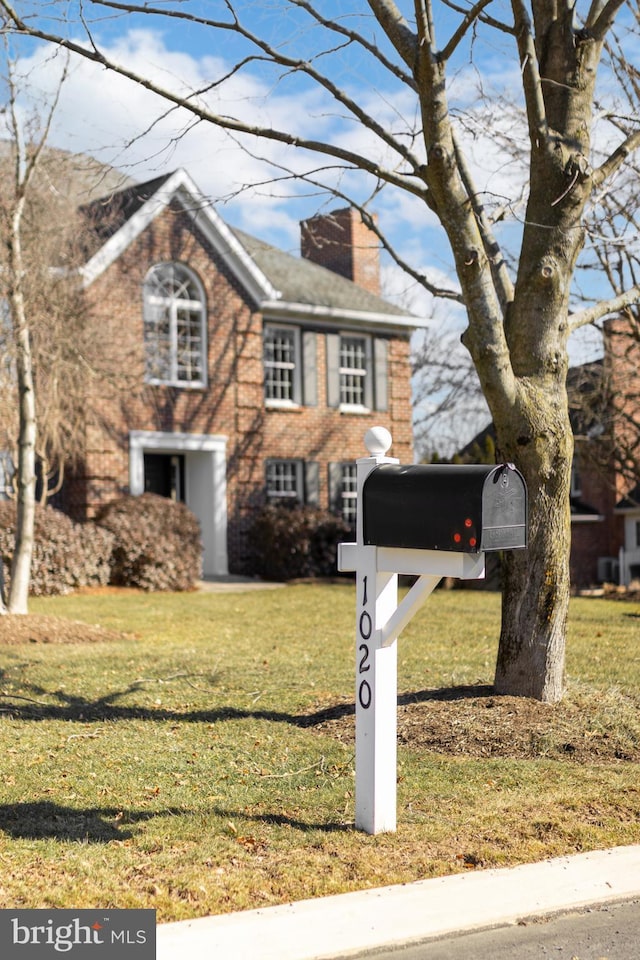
x: 259, y: 371
x: 604, y: 401
x: 605, y: 494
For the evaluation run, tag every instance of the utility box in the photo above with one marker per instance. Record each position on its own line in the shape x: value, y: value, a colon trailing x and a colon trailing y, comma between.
x: 455, y: 508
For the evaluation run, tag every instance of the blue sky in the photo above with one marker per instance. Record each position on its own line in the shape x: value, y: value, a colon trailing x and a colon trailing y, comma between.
x: 112, y: 119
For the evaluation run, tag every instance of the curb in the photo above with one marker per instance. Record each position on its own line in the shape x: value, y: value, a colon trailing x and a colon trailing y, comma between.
x: 353, y: 923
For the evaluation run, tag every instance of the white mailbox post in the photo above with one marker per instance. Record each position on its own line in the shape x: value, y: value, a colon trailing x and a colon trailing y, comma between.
x: 380, y: 618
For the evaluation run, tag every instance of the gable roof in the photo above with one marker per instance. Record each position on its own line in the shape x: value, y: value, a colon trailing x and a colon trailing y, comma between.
x: 279, y: 283
x: 128, y: 213
x: 305, y: 285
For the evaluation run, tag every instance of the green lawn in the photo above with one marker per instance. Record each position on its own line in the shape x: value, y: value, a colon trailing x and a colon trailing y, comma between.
x: 174, y: 768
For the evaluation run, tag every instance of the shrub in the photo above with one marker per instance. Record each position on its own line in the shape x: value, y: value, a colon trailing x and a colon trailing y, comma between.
x: 65, y: 554
x: 157, y: 543
x: 291, y: 541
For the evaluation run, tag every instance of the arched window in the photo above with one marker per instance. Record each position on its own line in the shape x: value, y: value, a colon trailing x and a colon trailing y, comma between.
x: 174, y: 326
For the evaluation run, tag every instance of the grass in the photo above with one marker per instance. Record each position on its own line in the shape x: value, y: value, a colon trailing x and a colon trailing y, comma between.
x: 175, y: 767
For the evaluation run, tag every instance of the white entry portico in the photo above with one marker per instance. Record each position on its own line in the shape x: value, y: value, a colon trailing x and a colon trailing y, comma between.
x: 205, y: 482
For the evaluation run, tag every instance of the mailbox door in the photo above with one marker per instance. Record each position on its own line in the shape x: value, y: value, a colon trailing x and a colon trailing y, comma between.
x: 504, y: 510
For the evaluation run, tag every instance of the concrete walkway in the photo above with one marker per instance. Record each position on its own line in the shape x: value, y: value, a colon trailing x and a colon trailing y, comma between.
x: 235, y: 584
x: 350, y: 924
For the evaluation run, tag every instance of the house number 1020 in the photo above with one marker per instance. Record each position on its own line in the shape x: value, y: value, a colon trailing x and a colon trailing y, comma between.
x: 365, y: 628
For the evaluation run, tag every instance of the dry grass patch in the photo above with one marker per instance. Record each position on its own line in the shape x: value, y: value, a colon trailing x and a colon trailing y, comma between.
x: 41, y: 628
x: 474, y: 722
x: 201, y: 759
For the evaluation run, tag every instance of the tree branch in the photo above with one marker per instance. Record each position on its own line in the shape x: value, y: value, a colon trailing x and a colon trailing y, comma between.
x: 355, y: 37
x: 485, y: 18
x: 277, y: 57
x: 603, y: 308
x: 605, y: 17
x: 470, y: 18
x: 439, y: 292
x: 536, y: 111
x: 502, y: 280
x: 357, y: 161
x: 397, y: 29
x: 617, y: 158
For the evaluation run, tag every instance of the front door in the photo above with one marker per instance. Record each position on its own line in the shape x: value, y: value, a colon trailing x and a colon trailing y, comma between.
x: 164, y: 475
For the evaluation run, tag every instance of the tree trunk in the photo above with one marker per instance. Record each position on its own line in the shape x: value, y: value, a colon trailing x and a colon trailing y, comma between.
x: 536, y: 581
x: 26, y: 504
x: 26, y: 477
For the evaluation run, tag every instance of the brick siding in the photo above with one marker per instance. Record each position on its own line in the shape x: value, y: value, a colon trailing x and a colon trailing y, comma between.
x: 232, y: 404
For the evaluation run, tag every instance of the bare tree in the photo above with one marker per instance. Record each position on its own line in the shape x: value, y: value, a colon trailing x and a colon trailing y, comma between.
x: 25, y: 161
x: 52, y: 353
x: 519, y: 319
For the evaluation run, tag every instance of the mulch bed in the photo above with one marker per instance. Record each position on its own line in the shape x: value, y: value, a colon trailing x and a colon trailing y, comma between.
x: 474, y: 722
x: 37, y: 628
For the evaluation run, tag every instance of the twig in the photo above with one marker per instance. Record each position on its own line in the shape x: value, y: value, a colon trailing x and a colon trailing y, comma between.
x: 16, y: 696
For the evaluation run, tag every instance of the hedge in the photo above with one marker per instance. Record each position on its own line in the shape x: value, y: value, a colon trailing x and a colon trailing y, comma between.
x: 66, y: 555
x: 157, y: 543
x: 290, y: 541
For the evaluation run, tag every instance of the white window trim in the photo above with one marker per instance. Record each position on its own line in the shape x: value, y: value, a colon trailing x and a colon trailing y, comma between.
x: 296, y: 366
x: 366, y: 372
x: 348, y: 496
x: 201, y: 305
x: 298, y: 496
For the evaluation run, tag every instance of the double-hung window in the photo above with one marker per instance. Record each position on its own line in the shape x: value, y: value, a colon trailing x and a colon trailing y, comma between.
x: 355, y: 367
x: 292, y: 481
x: 290, y: 366
x: 174, y: 326
x: 349, y: 492
x: 576, y: 483
x: 284, y: 480
x: 357, y: 371
x: 282, y: 365
x: 343, y: 490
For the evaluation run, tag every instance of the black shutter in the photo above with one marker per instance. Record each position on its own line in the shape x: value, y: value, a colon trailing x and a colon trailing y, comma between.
x: 309, y: 368
x: 381, y: 374
x: 333, y: 369
x: 311, y: 483
x: 335, y: 487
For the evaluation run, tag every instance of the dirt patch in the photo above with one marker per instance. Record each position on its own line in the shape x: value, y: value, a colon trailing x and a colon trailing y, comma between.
x: 474, y: 722
x: 37, y: 628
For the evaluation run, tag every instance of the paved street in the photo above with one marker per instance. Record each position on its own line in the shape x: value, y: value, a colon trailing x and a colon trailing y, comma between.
x: 609, y: 932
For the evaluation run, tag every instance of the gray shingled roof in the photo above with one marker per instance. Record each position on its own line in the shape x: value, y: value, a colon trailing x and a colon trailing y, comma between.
x: 302, y: 281
x: 76, y: 177
x: 298, y: 281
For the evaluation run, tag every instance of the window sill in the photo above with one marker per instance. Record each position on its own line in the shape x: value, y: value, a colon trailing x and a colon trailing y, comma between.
x: 354, y: 408
x: 283, y: 406
x: 177, y: 384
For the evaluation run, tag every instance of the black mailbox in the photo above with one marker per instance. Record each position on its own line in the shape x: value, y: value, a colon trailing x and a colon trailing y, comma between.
x: 458, y: 508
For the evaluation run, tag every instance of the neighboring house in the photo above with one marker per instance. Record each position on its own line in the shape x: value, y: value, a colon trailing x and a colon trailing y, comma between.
x: 604, y: 398
x: 262, y: 371
x: 605, y: 487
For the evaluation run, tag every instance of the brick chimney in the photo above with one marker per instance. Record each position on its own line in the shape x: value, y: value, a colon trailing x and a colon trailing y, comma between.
x: 341, y: 242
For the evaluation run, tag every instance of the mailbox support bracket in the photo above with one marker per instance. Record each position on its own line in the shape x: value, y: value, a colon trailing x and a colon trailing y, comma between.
x: 429, y: 565
x: 379, y: 621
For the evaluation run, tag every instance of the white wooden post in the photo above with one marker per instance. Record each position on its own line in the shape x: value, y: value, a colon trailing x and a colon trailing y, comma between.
x: 376, y: 669
x: 379, y: 621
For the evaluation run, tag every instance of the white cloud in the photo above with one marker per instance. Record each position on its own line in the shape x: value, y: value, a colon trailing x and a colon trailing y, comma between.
x: 123, y: 124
